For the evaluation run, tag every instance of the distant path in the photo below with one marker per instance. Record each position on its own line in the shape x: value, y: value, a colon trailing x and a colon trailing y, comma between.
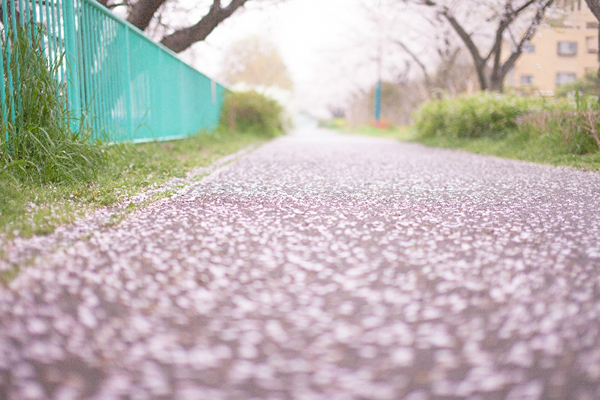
x: 328, y: 267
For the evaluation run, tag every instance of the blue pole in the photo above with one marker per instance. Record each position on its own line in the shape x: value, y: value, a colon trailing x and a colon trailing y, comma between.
x: 378, y: 102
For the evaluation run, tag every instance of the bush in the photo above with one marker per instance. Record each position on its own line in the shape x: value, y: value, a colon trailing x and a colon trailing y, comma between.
x: 252, y: 112
x: 568, y: 127
x: 589, y: 85
x: 42, y: 144
x: 481, y: 115
x: 573, y: 128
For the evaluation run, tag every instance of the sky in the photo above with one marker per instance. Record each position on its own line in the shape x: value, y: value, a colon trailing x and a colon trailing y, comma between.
x: 322, y: 42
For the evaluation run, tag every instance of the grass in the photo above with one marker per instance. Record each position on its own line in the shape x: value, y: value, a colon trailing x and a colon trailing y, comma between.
x: 45, y: 143
x: 52, y: 172
x: 514, y: 145
x: 31, y: 208
x: 404, y: 133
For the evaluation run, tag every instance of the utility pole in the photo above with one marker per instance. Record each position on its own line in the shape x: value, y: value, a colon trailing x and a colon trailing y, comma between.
x: 379, y: 68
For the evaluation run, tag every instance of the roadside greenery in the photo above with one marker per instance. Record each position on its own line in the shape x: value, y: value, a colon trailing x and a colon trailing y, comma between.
x: 560, y: 132
x: 28, y: 208
x: 252, y: 112
x: 481, y: 115
x: 403, y: 133
x: 44, y: 143
x: 589, y: 85
x: 550, y: 130
x: 52, y: 172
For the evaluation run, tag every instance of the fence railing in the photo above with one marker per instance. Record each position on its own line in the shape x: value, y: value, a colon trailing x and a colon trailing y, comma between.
x: 114, y: 77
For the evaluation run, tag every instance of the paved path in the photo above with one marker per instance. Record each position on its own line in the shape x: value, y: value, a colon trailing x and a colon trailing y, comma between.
x: 324, y: 267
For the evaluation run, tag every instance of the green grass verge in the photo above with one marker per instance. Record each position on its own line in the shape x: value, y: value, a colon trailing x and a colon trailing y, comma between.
x: 394, y: 132
x: 514, y: 145
x: 518, y: 147
x: 28, y: 209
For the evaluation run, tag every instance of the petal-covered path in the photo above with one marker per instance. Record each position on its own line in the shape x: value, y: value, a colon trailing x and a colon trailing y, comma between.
x: 323, y: 266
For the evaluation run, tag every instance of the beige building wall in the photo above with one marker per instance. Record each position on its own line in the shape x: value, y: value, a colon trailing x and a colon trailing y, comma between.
x: 541, y: 67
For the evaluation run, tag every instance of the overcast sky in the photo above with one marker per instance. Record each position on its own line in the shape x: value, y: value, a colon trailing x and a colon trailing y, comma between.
x: 321, y: 41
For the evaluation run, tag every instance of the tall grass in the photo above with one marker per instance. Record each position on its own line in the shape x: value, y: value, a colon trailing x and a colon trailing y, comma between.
x: 562, y: 127
x: 574, y: 130
x: 46, y: 142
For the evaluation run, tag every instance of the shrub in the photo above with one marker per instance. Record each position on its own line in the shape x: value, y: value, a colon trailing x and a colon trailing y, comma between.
x: 481, y: 115
x: 570, y: 127
x: 589, y: 85
x: 573, y: 130
x: 252, y: 112
x: 44, y: 143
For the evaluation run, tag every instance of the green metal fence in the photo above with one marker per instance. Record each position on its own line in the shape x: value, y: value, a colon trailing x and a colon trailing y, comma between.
x: 120, y: 82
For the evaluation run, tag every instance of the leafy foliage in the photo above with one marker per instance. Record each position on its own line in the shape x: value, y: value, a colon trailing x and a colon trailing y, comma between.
x: 574, y: 130
x: 484, y: 114
x: 589, y: 85
x: 561, y: 127
x: 252, y: 112
x: 44, y: 143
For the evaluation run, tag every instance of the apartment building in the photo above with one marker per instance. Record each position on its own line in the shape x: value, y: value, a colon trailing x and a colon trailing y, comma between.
x: 564, y: 48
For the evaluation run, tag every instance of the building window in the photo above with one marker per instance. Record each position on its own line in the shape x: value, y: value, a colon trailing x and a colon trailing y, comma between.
x: 572, y: 4
x: 528, y: 48
x: 591, y: 43
x: 591, y: 25
x: 526, y: 79
x: 563, y: 78
x: 567, y: 48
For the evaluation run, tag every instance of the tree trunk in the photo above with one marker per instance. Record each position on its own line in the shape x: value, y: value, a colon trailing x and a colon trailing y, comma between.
x: 142, y: 12
x: 594, y: 6
x: 495, y: 81
x: 497, y: 84
x: 481, y: 76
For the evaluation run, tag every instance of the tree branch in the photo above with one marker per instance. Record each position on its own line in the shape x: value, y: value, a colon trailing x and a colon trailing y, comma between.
x: 142, y: 12
x: 535, y: 23
x: 467, y: 40
x: 471, y: 46
x: 418, y: 61
x: 507, y: 18
x: 522, y: 8
x: 594, y: 5
x: 184, y: 38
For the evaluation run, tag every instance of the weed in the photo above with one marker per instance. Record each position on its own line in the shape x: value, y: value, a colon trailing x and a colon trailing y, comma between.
x: 37, y: 208
x: 573, y: 131
x: 44, y: 143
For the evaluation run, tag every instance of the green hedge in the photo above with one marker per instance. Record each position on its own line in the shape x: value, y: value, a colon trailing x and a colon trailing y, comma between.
x: 481, y: 115
x: 252, y: 112
x: 565, y: 127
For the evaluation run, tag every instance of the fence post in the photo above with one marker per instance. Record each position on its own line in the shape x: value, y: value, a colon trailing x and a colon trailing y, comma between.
x: 128, y: 97
x: 71, y: 52
x: 2, y: 89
